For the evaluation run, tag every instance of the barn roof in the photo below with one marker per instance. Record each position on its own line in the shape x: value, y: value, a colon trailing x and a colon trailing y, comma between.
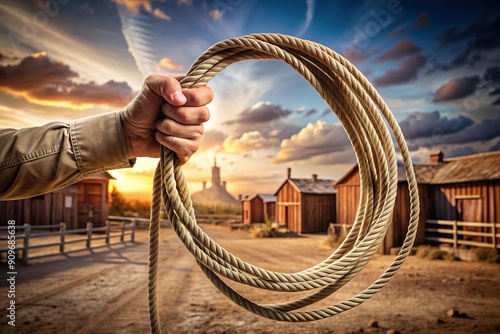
x: 307, y: 186
x: 103, y: 175
x: 477, y: 167
x: 267, y: 198
x: 423, y: 173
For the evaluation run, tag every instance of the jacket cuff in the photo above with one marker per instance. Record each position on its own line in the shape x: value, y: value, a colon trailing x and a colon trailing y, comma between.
x: 99, y: 144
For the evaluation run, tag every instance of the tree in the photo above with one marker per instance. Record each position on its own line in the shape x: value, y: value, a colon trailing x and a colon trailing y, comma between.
x: 118, y: 205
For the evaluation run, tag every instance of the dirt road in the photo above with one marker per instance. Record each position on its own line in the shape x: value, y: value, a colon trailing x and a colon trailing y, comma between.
x: 105, y: 292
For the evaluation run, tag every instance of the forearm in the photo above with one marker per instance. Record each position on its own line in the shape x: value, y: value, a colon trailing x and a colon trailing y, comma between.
x: 38, y: 160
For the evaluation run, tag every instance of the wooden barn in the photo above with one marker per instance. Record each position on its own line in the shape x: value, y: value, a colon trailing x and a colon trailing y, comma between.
x: 348, y: 195
x: 85, y: 201
x: 305, y: 205
x: 258, y: 209
x: 467, y: 189
x: 461, y: 189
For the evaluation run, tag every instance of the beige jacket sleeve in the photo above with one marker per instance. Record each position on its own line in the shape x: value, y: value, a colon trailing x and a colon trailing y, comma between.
x: 38, y: 160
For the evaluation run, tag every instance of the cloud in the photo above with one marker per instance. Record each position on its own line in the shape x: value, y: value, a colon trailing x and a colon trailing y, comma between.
x: 43, y: 81
x: 359, y: 55
x: 334, y: 158
x: 249, y: 141
x: 496, y: 102
x: 407, y: 71
x: 459, y: 151
x: 398, y: 32
x: 111, y: 93
x: 486, y: 130
x: 469, y: 44
x: 458, y: 130
x: 167, y: 63
x: 134, y: 6
x: 33, y: 72
x: 159, y: 14
x: 401, y: 50
x: 272, y: 121
x: 495, y: 147
x: 327, y: 112
x: 7, y: 58
x: 311, y: 112
x: 422, y: 21
x: 492, y: 74
x: 479, y: 29
x: 309, y: 17
x: 315, y: 139
x: 496, y: 91
x: 216, y: 14
x: 456, y: 89
x: 425, y: 125
x: 261, y: 112
x: 211, y: 139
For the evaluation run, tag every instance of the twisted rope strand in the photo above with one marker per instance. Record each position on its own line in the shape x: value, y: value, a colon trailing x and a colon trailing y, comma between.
x: 363, y: 114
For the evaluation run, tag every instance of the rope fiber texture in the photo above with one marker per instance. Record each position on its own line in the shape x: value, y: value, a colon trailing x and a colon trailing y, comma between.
x: 359, y: 108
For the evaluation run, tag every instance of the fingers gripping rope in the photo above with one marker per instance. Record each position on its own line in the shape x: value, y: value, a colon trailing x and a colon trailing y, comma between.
x: 360, y: 109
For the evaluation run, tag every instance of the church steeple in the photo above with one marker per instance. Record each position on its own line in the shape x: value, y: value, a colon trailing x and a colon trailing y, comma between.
x: 215, y: 174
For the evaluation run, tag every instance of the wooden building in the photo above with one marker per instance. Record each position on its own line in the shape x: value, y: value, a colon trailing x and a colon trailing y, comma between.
x: 85, y: 201
x: 467, y: 189
x: 305, y: 205
x: 463, y: 189
x: 348, y: 196
x: 258, y: 209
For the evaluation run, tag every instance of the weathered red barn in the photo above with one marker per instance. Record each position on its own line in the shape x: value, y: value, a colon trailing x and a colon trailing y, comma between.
x: 258, y: 208
x: 348, y: 195
x: 467, y: 189
x: 459, y: 189
x: 306, y: 205
x: 85, y: 201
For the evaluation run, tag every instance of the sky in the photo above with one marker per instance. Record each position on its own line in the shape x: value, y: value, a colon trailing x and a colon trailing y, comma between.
x: 436, y: 64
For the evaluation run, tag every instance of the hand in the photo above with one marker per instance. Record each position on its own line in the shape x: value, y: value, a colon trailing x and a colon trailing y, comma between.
x: 163, y: 113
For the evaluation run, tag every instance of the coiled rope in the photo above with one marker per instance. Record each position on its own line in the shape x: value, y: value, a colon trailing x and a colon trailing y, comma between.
x: 360, y: 109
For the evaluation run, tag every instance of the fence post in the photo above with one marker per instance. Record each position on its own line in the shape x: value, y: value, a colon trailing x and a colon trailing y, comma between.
x: 122, y: 237
x: 62, y: 230
x: 89, y: 233
x: 494, y: 234
x: 132, y: 235
x: 27, y: 232
x: 108, y: 228
x: 455, y: 235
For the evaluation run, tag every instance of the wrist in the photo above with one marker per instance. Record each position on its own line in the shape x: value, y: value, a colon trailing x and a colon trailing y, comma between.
x: 127, y: 137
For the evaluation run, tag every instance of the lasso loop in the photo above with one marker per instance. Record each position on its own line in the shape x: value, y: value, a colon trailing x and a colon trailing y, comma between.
x: 359, y: 108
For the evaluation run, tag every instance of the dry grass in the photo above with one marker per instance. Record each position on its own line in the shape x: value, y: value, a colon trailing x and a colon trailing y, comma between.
x: 434, y: 253
x: 488, y: 255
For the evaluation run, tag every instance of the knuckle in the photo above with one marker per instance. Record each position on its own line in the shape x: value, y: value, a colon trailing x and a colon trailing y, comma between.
x: 210, y: 93
x: 169, y: 126
x: 150, y: 78
x: 204, y: 115
x: 196, y: 99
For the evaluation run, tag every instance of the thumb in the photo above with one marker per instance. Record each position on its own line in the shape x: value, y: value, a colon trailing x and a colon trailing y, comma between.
x: 166, y: 87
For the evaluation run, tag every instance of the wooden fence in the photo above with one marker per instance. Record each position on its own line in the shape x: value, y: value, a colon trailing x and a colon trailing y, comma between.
x: 458, y: 233
x: 26, y: 233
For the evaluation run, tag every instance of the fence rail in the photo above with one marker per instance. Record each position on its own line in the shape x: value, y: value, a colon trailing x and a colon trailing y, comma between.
x: 459, y: 233
x: 27, y: 233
